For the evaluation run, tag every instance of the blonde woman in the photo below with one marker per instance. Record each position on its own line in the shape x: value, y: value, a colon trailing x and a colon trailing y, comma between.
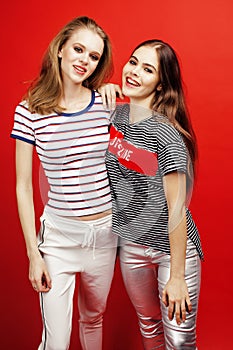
x: 63, y: 117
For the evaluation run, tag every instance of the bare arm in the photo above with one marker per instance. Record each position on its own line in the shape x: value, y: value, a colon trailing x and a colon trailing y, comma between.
x: 175, y: 294
x: 38, y: 273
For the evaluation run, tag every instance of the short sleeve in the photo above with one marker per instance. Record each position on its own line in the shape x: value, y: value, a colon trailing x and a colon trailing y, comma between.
x: 172, y: 152
x: 23, y: 124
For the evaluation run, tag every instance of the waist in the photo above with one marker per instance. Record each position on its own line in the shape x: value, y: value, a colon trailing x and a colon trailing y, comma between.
x: 90, y: 217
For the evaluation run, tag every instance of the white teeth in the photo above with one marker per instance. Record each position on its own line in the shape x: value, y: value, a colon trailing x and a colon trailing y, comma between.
x: 132, y: 82
x: 80, y: 69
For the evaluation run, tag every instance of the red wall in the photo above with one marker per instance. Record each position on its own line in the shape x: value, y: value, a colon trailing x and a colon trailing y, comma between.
x: 201, y: 32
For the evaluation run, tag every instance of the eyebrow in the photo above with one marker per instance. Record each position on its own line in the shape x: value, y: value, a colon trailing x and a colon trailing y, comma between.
x: 145, y: 64
x: 83, y: 46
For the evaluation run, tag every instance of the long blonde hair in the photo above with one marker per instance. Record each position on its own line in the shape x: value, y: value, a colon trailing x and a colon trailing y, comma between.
x: 45, y: 92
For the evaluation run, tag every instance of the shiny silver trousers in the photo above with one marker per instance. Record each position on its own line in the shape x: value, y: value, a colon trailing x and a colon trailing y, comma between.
x: 145, y: 272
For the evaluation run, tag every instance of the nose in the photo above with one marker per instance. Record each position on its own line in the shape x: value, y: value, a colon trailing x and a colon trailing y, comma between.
x: 84, y: 58
x: 135, y: 71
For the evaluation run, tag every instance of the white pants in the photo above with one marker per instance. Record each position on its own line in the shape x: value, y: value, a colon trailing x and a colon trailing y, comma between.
x: 145, y: 272
x: 69, y: 246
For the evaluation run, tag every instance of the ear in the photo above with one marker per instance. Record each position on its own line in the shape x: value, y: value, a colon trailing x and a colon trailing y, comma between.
x: 159, y: 87
x: 60, y: 54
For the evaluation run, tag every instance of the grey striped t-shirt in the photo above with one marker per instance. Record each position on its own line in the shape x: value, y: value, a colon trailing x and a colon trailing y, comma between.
x: 138, y: 157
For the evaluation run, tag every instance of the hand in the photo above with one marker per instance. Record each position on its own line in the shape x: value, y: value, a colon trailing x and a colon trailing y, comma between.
x: 38, y: 274
x: 109, y: 92
x: 175, y: 296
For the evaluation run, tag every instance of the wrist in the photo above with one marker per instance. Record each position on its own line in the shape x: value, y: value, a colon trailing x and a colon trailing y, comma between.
x: 33, y: 253
x: 177, y: 275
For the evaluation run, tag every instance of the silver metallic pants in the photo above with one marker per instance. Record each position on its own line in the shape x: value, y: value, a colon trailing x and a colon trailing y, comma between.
x: 145, y: 272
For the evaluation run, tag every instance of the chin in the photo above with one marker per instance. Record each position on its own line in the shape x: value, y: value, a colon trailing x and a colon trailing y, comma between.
x: 128, y: 92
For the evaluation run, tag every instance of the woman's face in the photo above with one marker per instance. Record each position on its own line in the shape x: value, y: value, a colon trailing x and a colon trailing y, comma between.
x: 140, y: 76
x: 80, y: 56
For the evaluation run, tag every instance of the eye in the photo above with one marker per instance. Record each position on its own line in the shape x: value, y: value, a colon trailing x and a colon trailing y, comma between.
x: 78, y: 49
x: 94, y: 57
x: 148, y: 70
x: 132, y: 62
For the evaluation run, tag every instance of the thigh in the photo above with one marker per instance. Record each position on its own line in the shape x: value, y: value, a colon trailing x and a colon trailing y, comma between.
x: 58, y: 301
x: 140, y: 279
x: 57, y: 308
x: 95, y: 280
x: 56, y: 305
x: 182, y: 336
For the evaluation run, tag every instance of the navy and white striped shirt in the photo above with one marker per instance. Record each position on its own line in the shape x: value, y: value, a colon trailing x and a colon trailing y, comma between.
x: 139, y: 155
x: 71, y: 148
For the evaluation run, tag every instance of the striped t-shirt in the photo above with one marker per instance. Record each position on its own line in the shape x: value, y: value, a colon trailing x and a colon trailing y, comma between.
x: 71, y: 148
x: 138, y: 157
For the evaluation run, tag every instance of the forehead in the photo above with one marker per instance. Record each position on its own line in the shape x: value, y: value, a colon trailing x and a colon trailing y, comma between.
x: 87, y: 38
x: 147, y: 55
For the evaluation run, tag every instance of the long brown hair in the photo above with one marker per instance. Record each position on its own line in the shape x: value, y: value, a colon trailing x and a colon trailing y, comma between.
x: 170, y: 100
x: 44, y: 94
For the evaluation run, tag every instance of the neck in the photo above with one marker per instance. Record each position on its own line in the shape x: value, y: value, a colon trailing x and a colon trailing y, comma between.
x: 139, y: 111
x: 75, y: 98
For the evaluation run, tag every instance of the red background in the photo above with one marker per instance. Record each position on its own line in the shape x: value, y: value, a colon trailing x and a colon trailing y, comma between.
x: 201, y: 32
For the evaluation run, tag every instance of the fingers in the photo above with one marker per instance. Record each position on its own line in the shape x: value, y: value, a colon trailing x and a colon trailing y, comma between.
x: 104, y: 100
x: 171, y: 310
x: 40, y: 288
x: 179, y: 313
x: 38, y: 275
x: 42, y: 284
x: 46, y: 280
x: 183, y: 312
x: 177, y: 309
x: 119, y: 92
x: 188, y: 305
x: 109, y: 93
x: 165, y: 298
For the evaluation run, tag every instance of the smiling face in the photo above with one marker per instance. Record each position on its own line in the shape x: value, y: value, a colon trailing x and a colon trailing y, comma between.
x: 80, y: 56
x: 140, y: 76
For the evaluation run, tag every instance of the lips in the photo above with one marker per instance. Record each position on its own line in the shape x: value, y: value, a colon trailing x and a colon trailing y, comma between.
x: 80, y: 69
x: 131, y: 82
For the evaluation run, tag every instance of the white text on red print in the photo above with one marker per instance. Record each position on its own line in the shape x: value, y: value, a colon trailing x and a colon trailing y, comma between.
x: 121, y: 151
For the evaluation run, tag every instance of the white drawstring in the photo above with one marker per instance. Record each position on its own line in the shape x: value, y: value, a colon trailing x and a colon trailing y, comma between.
x: 90, y: 238
x: 94, y: 242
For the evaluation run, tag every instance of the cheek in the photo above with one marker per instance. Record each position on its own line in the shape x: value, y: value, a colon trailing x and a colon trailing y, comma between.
x: 94, y: 66
x: 124, y: 70
x: 151, y: 84
x: 66, y: 57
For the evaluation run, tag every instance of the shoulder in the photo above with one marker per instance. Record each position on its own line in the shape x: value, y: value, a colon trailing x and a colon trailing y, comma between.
x: 96, y: 94
x: 96, y: 98
x: 97, y: 104
x: 22, y: 110
x: 120, y: 113
x: 23, y: 105
x: 166, y: 131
